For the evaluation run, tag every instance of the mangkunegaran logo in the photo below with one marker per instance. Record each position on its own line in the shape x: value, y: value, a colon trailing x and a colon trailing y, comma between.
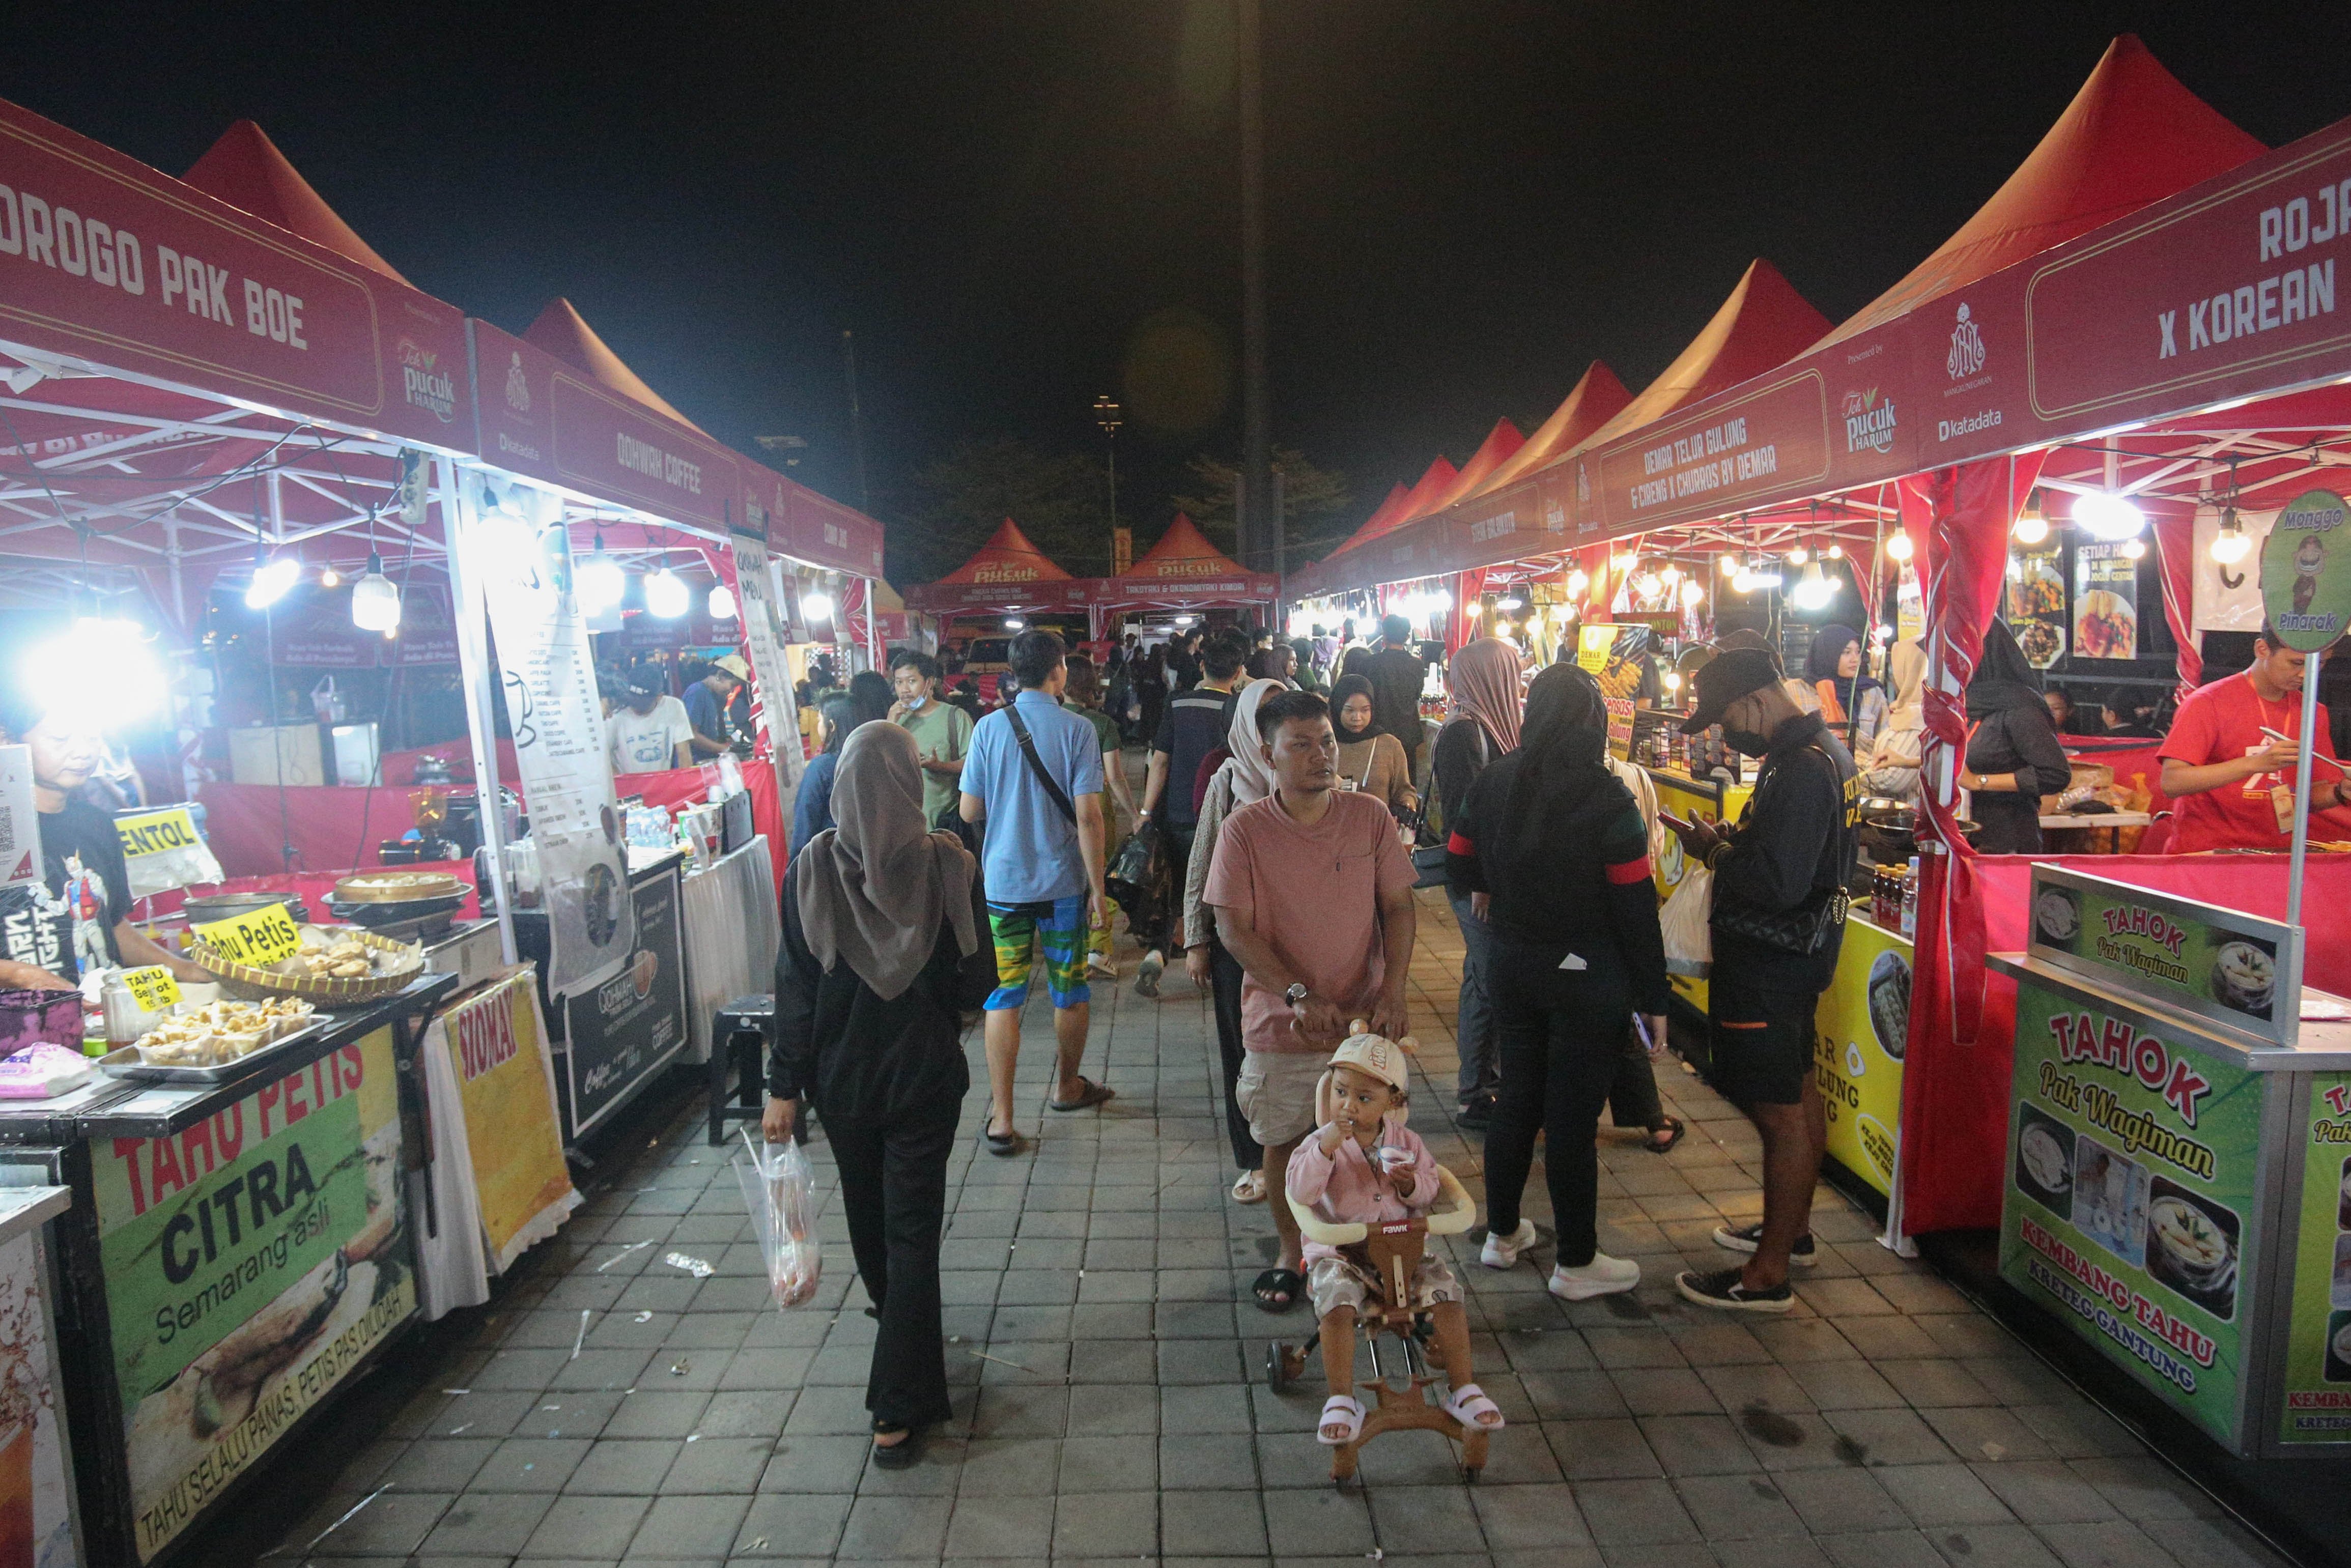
x: 518, y: 385
x: 1967, y: 355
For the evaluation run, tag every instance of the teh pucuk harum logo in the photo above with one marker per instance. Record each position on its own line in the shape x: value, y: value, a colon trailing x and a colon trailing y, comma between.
x: 1967, y: 355
x: 518, y: 385
x: 1868, y: 424
x: 425, y: 383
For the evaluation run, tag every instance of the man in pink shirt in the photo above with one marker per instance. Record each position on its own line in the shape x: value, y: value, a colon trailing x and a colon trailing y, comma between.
x: 1312, y: 893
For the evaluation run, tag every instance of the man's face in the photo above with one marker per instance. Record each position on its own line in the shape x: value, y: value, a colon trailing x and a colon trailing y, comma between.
x: 642, y: 702
x: 908, y: 682
x: 1304, y: 755
x: 64, y: 755
x: 2284, y: 667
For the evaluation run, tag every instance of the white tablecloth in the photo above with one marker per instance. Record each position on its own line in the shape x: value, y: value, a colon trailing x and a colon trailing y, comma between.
x: 731, y: 931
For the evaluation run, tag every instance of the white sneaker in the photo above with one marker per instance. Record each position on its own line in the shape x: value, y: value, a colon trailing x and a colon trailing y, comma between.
x: 1101, y: 968
x: 1604, y: 1276
x: 1502, y: 1251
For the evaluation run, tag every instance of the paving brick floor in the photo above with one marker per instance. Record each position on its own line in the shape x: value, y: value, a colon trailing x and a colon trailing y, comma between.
x: 1108, y: 1407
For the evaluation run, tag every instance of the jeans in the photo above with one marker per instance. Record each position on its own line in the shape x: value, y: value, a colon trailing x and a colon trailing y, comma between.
x: 1633, y: 1095
x: 1473, y: 1027
x: 893, y: 1187
x: 1225, y: 979
x: 1559, y: 1031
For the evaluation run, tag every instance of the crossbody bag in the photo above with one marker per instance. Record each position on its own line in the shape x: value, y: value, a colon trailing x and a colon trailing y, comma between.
x: 1803, y: 930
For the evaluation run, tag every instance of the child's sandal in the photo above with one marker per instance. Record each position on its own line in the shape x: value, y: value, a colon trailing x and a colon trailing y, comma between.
x: 1339, y: 1409
x: 1468, y: 1402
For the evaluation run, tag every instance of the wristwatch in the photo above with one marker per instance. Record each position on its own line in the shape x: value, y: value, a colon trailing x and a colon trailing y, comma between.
x: 1295, y: 994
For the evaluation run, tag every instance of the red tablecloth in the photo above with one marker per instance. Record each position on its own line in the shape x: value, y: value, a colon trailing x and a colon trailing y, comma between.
x: 1955, y: 1095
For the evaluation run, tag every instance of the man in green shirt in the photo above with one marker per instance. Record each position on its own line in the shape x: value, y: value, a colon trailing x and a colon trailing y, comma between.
x: 942, y: 731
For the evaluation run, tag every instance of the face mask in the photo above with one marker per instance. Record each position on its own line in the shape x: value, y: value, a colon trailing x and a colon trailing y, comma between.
x: 1747, y: 743
x: 914, y: 703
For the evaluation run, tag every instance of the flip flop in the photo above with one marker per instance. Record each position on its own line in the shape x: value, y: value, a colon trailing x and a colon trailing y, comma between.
x: 1000, y: 1143
x: 1290, y: 1282
x: 901, y: 1455
x: 1667, y: 1146
x: 1250, y: 1188
x: 1092, y: 1094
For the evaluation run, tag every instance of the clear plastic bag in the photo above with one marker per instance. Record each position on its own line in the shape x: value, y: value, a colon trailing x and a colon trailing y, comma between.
x: 779, y: 1190
x: 1684, y: 922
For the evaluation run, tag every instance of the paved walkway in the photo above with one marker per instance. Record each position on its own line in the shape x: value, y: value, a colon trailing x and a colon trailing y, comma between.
x: 1109, y: 1408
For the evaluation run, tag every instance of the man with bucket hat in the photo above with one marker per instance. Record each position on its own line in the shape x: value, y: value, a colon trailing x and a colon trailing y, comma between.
x: 1777, y: 918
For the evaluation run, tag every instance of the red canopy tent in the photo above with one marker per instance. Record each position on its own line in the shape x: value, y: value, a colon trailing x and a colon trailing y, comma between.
x: 1433, y: 480
x: 1008, y: 575
x: 1181, y: 572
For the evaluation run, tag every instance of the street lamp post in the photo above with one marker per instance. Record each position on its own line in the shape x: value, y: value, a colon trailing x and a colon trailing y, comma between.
x: 1108, y: 415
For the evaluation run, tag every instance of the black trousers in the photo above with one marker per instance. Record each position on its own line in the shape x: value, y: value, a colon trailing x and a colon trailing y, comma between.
x: 1226, y: 978
x: 894, y: 1190
x: 1560, y: 1034
x: 1633, y: 1099
x: 1177, y: 845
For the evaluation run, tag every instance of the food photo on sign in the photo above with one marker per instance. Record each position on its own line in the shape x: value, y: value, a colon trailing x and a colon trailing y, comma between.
x: 2036, y: 606
x: 2105, y: 601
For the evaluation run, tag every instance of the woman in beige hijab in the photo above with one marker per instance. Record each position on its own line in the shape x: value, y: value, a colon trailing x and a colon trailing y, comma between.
x: 1891, y: 768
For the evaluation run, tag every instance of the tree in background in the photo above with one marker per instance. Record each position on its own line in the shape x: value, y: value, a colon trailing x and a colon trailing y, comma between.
x: 954, y: 502
x: 1311, y: 500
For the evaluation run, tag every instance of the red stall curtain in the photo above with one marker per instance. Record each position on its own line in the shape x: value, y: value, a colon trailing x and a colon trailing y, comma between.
x: 2175, y: 550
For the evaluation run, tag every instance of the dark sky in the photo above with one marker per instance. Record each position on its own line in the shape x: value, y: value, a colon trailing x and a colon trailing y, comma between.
x: 1468, y: 200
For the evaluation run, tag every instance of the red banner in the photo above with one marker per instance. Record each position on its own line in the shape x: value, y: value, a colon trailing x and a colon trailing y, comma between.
x: 105, y: 259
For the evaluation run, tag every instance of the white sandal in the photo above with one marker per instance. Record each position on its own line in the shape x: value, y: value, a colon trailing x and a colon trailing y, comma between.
x: 1468, y: 1401
x: 1250, y: 1188
x: 1339, y: 1407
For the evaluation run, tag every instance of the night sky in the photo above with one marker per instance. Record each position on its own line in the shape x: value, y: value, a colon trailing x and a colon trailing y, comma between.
x: 1019, y: 205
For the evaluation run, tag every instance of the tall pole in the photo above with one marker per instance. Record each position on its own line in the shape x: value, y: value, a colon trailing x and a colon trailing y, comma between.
x: 1259, y: 531
x: 856, y: 421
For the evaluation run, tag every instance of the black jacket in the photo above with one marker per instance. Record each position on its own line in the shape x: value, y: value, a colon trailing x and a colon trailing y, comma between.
x: 858, y: 1058
x: 1463, y: 750
x: 1396, y: 675
x: 1797, y: 836
x: 2023, y: 742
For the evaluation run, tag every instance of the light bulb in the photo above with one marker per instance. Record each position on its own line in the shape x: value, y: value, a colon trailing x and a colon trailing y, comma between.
x: 722, y: 603
x: 98, y: 677
x: 329, y: 577
x: 271, y: 582
x: 1814, y: 590
x: 1744, y: 582
x: 2134, y: 549
x: 600, y: 582
x: 818, y: 607
x: 1646, y: 585
x: 1797, y: 556
x: 1512, y: 603
x: 1730, y: 563
x: 1899, y: 547
x: 2108, y: 516
x: 1837, y: 553
x: 665, y: 595
x: 1692, y: 594
x: 1672, y: 572
x: 1014, y: 623
x: 2031, y: 528
x: 1578, y: 580
x: 1672, y: 680
x: 1886, y: 633
x: 2232, y: 544
x: 375, y: 598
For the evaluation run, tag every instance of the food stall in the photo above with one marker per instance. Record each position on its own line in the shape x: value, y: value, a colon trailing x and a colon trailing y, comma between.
x: 1006, y: 580
x: 1182, y: 573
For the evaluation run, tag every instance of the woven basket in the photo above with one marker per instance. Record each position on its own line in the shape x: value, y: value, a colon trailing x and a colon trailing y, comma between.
x: 246, y: 983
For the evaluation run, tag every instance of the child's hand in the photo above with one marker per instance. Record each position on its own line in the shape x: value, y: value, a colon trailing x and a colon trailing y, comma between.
x: 1333, y: 1136
x: 1405, y: 1173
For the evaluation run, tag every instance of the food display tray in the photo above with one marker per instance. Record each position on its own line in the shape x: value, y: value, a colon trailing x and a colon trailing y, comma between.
x: 124, y: 1061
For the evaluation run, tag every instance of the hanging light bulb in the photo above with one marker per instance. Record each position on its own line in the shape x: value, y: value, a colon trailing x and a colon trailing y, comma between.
x: 1837, y: 553
x: 1511, y: 602
x: 1798, y: 556
x: 329, y: 577
x: 601, y: 581
x: 1744, y: 582
x: 665, y: 595
x: 100, y: 673
x: 2134, y: 549
x: 1898, y: 547
x: 818, y: 607
x: 1578, y: 580
x: 271, y: 580
x: 1014, y: 623
x: 2108, y: 516
x: 2033, y: 523
x: 722, y: 603
x: 375, y: 598
x: 1672, y: 573
x: 1692, y: 594
x: 1814, y: 590
x: 1672, y: 680
x: 2232, y: 544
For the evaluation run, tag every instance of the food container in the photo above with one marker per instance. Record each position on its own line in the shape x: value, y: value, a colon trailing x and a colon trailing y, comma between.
x: 401, y: 963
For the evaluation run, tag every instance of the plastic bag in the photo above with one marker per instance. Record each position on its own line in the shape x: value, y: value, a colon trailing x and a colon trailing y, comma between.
x: 1689, y: 939
x: 780, y: 1189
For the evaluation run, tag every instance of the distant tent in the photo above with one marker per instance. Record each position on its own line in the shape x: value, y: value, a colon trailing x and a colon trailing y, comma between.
x: 1502, y: 444
x: 1763, y: 324
x: 1383, y: 516
x: 245, y: 170
x: 1007, y: 557
x: 1433, y: 483
x: 1183, y: 552
x: 563, y: 333
x: 1595, y: 399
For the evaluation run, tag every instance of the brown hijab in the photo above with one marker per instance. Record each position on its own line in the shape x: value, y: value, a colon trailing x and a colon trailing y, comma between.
x: 875, y: 886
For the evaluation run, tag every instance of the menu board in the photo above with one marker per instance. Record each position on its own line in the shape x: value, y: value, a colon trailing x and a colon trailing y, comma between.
x: 2036, y: 605
x: 1622, y: 716
x: 763, y: 633
x: 1860, y: 1029
x: 516, y: 543
x: 2316, y: 1406
x: 2134, y: 1156
x: 251, y: 1263
x: 632, y: 1025
x: 2106, y: 603
x: 2229, y: 968
x: 1616, y: 655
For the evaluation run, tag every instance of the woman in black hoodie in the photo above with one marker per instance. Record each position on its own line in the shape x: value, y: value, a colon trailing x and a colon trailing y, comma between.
x: 2014, y: 756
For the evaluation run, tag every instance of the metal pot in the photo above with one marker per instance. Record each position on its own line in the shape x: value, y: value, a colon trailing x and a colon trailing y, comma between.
x: 204, y: 908
x: 1889, y: 830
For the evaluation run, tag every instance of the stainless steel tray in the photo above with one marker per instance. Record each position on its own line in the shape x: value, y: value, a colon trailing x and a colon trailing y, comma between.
x: 124, y: 1061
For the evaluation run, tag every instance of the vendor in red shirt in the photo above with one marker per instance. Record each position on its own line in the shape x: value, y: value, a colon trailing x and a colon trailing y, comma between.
x: 2219, y: 768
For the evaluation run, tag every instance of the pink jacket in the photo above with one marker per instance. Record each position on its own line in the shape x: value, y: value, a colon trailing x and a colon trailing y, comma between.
x: 1346, y: 1188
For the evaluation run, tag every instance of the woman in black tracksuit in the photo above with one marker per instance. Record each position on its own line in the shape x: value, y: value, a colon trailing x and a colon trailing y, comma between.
x: 1555, y: 846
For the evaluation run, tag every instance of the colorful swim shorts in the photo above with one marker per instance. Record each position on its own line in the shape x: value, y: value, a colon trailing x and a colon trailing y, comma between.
x: 1059, y: 928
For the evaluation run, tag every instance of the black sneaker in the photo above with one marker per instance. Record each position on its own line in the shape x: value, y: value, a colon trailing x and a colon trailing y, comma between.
x: 1723, y: 1289
x: 1748, y: 1238
x: 1477, y: 1115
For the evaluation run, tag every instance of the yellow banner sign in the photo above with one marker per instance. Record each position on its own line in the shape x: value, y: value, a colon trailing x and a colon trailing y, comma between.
x: 153, y: 987
x: 259, y: 938
x: 156, y: 832
x: 507, y: 1084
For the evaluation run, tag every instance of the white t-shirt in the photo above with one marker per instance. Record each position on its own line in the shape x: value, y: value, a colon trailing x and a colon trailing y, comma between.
x: 648, y: 743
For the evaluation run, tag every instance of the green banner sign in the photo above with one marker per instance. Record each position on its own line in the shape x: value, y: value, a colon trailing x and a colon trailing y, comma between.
x: 2307, y: 570
x: 2231, y: 968
x: 2317, y: 1394
x: 2132, y: 1157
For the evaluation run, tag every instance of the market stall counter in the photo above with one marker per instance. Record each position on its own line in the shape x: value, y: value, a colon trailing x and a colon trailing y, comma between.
x: 2178, y: 1185
x: 235, y: 1251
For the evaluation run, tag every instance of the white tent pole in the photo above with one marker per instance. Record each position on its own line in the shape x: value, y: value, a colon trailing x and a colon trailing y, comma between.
x: 481, y: 706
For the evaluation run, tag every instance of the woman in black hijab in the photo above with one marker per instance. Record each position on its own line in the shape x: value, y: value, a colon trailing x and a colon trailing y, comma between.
x: 1551, y: 851
x: 1370, y: 759
x: 2014, y: 756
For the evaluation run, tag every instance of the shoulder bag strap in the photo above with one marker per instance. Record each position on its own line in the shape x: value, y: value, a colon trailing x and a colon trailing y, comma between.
x: 1053, y: 790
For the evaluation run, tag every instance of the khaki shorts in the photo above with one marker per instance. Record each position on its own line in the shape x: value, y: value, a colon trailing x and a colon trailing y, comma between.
x: 1276, y: 1092
x: 1335, y: 1280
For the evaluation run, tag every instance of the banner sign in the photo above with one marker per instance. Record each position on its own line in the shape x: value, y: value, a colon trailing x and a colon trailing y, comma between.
x: 505, y: 1079
x: 251, y: 1263
x: 1861, y: 1028
x: 514, y: 538
x: 2036, y: 605
x: 255, y: 939
x: 2307, y: 570
x: 764, y: 634
x: 102, y: 257
x: 810, y: 528
x: 2106, y: 603
x: 629, y: 1028
x: 2134, y: 1157
x: 163, y: 851
x: 2318, y: 1392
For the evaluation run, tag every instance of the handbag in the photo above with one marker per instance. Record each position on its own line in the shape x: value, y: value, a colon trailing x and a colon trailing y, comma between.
x: 1803, y: 930
x: 1137, y: 871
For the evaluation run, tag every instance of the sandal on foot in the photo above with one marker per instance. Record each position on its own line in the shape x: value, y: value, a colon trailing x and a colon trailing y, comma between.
x: 1000, y: 1143
x: 1250, y: 1188
x: 1672, y: 1126
x: 1288, y: 1283
x: 902, y: 1454
x: 1339, y: 1410
x: 1468, y: 1402
x: 1089, y: 1093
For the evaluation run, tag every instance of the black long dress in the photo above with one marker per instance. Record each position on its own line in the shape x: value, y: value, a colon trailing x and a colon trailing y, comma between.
x: 888, y: 1078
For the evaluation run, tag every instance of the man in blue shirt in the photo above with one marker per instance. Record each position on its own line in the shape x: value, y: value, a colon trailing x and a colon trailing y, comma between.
x: 706, y: 700
x: 1041, y: 864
